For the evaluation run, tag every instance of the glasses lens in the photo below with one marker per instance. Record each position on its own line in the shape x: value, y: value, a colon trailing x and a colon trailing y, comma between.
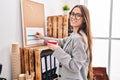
x: 78, y: 16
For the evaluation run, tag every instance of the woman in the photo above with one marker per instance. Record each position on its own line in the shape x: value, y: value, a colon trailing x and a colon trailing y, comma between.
x: 76, y: 55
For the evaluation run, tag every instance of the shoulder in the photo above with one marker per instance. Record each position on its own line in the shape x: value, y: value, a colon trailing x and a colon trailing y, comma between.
x: 80, y: 39
x: 76, y: 37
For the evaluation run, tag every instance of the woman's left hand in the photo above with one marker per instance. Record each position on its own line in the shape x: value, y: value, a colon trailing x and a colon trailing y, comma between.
x: 52, y: 46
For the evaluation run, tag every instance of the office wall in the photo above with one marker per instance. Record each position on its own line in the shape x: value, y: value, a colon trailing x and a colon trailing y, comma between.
x: 11, y: 29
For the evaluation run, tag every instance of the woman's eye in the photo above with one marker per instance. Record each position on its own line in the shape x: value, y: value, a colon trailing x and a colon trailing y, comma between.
x: 78, y: 14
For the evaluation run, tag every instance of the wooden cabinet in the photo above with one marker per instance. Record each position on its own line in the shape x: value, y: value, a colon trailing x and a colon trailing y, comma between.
x: 32, y: 61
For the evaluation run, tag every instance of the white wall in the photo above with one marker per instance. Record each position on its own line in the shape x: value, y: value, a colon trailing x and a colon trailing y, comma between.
x: 10, y: 27
x: 10, y: 30
x: 72, y: 3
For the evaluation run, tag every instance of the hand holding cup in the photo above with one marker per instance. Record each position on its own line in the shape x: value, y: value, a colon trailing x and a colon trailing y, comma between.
x: 53, y: 45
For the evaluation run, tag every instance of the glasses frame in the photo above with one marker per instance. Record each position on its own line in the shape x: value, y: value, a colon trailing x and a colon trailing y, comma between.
x: 74, y: 15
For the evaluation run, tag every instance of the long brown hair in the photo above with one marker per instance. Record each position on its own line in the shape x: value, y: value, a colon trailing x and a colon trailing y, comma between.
x: 87, y: 30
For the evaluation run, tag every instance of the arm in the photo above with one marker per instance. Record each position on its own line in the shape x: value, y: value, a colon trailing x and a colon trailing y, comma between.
x: 78, y: 58
x: 61, y: 41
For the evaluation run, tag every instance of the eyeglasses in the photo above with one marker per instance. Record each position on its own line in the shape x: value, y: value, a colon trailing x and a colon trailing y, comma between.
x: 76, y: 15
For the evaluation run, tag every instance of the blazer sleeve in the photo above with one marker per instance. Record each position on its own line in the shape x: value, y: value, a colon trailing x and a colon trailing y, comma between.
x: 61, y: 41
x: 78, y: 58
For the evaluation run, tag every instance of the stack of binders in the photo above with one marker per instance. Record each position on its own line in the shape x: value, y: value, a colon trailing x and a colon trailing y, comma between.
x: 49, y: 66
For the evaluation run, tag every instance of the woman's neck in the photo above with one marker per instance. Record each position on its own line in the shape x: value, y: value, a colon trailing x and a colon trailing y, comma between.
x: 75, y: 29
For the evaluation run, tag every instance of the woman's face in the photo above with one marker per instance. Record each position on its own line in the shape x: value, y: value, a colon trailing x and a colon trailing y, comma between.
x: 76, y: 17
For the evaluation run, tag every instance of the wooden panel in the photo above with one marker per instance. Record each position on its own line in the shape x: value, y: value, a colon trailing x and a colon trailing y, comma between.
x: 38, y: 65
x: 54, y: 26
x: 65, y: 26
x: 60, y: 26
x: 31, y: 60
x: 50, y: 30
x: 26, y: 59
x: 22, y: 60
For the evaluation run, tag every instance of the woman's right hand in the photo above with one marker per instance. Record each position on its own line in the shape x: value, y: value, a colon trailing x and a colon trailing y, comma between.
x: 39, y: 35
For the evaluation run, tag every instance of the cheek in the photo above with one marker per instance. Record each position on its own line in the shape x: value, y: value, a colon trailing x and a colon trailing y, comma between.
x: 70, y: 22
x: 78, y: 23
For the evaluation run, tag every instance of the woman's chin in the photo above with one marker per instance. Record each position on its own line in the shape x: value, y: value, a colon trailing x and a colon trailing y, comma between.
x: 73, y: 25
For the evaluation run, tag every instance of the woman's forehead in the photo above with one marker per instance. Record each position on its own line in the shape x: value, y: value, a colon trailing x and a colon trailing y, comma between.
x: 76, y: 10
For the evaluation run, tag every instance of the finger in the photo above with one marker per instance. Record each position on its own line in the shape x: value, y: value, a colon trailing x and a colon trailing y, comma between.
x: 49, y: 47
x: 37, y: 33
x: 37, y: 36
x: 50, y: 44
